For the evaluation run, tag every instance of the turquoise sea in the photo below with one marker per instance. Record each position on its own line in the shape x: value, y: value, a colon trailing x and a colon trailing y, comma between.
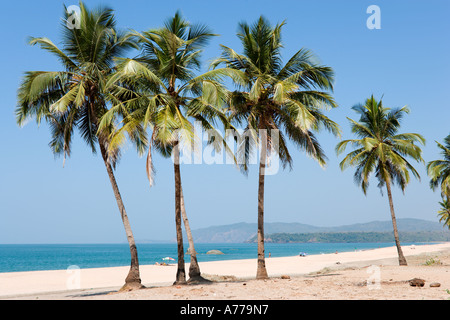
x: 32, y: 257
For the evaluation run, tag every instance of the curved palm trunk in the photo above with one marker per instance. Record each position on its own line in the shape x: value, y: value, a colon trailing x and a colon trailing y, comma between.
x: 133, y: 279
x: 401, y: 257
x: 194, y: 268
x: 261, y: 272
x: 181, y: 273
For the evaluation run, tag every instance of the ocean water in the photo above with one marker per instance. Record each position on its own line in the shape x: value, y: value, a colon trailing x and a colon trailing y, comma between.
x: 32, y: 257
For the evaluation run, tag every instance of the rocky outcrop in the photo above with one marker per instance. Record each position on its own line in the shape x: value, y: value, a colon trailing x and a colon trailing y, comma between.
x: 215, y: 252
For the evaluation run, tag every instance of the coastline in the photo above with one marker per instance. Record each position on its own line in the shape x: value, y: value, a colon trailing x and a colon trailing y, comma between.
x: 28, y: 283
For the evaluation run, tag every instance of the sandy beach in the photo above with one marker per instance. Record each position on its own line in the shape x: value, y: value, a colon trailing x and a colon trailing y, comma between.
x: 369, y: 274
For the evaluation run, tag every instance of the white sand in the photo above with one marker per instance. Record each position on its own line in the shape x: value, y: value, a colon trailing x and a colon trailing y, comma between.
x: 16, y: 284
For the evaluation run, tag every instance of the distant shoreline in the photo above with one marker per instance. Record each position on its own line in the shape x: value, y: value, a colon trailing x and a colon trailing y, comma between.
x: 355, y: 237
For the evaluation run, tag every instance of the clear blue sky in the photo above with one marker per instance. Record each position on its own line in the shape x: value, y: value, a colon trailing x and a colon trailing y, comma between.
x: 407, y: 61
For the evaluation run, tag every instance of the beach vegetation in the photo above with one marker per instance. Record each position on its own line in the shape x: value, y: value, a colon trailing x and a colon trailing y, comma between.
x: 432, y: 262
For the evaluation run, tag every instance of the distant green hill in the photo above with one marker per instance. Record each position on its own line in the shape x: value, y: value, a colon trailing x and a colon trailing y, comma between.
x: 243, y: 232
x: 355, y: 237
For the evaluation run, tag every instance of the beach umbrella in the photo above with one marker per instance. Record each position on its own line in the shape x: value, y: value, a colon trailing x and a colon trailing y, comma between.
x: 168, y: 258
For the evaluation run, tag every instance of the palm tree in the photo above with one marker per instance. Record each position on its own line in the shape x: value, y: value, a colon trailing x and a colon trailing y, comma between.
x: 380, y: 149
x: 271, y: 98
x: 439, y: 170
x: 444, y: 212
x: 159, y: 89
x: 75, y: 97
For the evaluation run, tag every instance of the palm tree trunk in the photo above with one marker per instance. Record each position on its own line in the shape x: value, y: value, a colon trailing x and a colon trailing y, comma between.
x: 194, y: 268
x: 133, y: 280
x: 401, y: 257
x: 261, y: 272
x: 181, y: 273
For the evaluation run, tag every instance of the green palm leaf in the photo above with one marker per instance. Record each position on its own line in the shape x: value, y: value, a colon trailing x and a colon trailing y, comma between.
x: 439, y: 170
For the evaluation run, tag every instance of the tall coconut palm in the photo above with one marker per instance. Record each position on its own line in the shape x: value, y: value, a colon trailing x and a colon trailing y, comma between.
x: 74, y: 98
x: 160, y: 90
x: 272, y: 97
x: 382, y: 150
x: 439, y: 170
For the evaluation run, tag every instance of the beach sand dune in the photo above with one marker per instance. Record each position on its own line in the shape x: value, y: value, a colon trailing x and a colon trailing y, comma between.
x: 370, y: 274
